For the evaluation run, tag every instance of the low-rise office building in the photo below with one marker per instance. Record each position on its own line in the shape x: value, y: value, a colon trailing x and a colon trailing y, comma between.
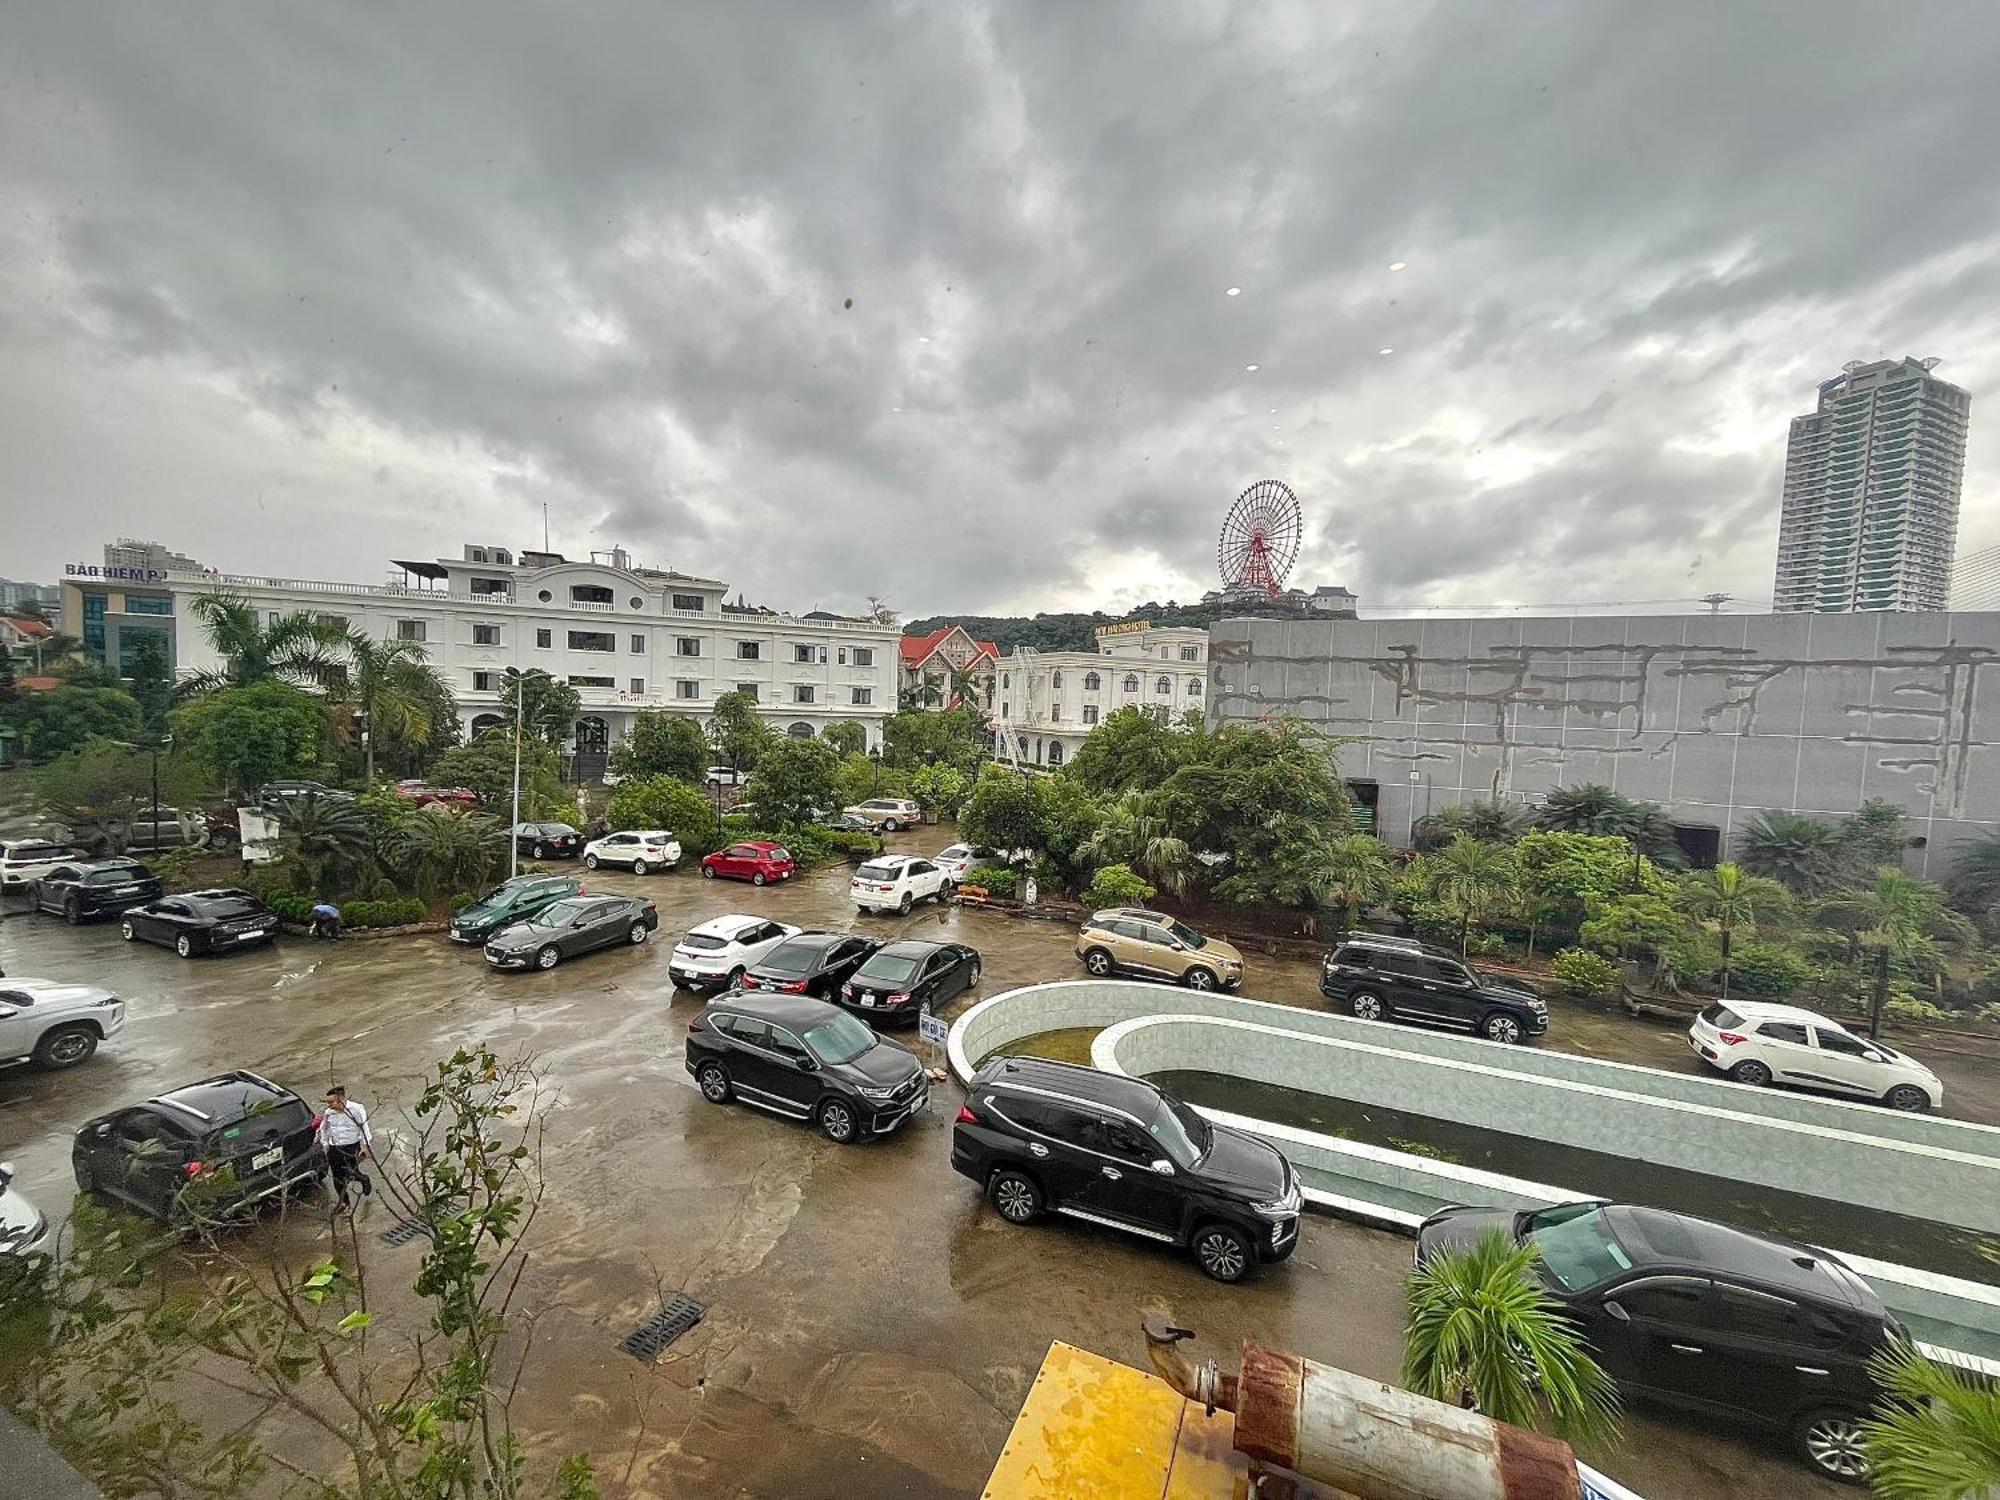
x: 1048, y: 702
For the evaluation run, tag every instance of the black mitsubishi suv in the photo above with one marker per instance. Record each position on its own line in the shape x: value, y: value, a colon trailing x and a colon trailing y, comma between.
x: 1397, y: 979
x: 1041, y: 1136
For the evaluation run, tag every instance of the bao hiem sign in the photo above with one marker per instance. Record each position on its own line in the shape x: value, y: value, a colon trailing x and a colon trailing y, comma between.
x: 119, y: 575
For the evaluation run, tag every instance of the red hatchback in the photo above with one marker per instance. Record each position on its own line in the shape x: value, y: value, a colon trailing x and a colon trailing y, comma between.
x: 758, y: 861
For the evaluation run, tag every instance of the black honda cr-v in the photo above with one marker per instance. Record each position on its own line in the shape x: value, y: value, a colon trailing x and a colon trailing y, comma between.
x: 1043, y: 1136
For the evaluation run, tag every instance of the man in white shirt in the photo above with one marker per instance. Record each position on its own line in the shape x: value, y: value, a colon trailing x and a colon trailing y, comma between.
x: 343, y: 1136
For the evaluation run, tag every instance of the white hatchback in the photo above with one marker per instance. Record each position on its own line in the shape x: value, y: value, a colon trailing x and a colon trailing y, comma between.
x: 714, y: 954
x: 896, y: 882
x: 1763, y: 1044
x: 638, y: 849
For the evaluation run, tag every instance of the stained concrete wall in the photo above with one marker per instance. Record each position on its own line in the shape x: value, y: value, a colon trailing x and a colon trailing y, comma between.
x: 1716, y: 718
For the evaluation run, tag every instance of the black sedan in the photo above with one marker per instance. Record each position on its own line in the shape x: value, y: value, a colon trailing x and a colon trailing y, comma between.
x: 799, y: 1057
x: 202, y: 922
x: 582, y: 924
x: 905, y: 978
x: 547, y: 840
x: 813, y: 963
x: 96, y: 888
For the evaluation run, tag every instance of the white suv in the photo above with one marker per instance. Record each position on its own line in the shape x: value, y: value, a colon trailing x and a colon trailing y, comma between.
x: 1760, y: 1044
x: 891, y: 814
x: 24, y: 861
x: 640, y: 849
x: 58, y: 1025
x: 715, y: 953
x: 896, y: 882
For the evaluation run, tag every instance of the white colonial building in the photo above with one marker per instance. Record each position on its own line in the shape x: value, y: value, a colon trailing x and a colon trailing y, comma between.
x: 1047, y: 702
x: 626, y: 638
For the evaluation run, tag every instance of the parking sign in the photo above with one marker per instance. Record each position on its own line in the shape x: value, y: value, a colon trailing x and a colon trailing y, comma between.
x: 932, y: 1029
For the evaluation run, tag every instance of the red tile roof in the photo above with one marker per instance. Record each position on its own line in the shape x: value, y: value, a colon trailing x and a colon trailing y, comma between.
x: 28, y: 627
x: 917, y: 648
x: 38, y: 684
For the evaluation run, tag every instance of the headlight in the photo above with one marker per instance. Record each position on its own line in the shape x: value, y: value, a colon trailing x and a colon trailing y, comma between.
x: 868, y: 1093
x: 1277, y: 1208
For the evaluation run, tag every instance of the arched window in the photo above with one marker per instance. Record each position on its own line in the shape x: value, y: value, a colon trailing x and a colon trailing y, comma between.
x: 1164, y: 686
x: 1194, y: 687
x: 483, y: 722
x: 1131, y: 682
x: 1055, y: 678
x: 1092, y: 682
x: 1055, y: 752
x: 800, y: 731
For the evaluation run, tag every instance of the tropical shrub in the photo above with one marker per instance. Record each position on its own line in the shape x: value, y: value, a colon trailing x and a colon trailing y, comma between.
x: 663, y: 802
x: 1909, y: 1008
x: 852, y: 845
x: 1116, y: 885
x: 1585, y: 973
x: 1005, y: 884
x: 1769, y: 969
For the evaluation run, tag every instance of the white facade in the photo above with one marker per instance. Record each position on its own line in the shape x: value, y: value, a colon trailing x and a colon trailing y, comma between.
x: 1048, y: 702
x: 627, y: 639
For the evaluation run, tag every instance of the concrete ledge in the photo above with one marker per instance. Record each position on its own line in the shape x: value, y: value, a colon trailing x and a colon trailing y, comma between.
x: 29, y: 1466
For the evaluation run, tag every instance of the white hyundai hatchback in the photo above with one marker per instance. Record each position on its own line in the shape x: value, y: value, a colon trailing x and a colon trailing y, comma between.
x: 896, y: 882
x: 714, y: 954
x: 1765, y: 1044
x: 638, y: 849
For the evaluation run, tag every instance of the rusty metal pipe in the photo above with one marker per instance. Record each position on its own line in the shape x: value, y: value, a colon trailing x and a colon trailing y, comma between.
x: 1202, y: 1382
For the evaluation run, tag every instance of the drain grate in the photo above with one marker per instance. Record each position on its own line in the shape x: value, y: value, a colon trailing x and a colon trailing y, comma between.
x: 402, y: 1234
x: 680, y: 1313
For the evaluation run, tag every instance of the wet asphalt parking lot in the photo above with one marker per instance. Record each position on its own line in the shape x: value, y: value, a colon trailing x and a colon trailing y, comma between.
x: 872, y: 1326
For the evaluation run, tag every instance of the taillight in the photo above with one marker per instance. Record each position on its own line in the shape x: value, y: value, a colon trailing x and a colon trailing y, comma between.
x: 1731, y: 1038
x: 796, y: 987
x: 902, y: 999
x: 847, y: 990
x: 695, y: 1024
x: 966, y: 1116
x: 195, y: 1168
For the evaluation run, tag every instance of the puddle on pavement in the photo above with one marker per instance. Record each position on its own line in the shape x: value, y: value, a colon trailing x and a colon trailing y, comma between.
x: 1892, y: 1237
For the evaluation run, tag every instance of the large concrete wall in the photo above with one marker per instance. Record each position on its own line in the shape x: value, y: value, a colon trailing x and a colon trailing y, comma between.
x: 1716, y: 718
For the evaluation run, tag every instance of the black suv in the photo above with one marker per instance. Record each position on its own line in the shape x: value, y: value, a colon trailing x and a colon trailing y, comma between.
x: 202, y: 922
x: 213, y: 1147
x: 1039, y: 1135
x: 96, y: 888
x: 807, y: 1059
x: 812, y: 963
x: 1699, y: 1315
x: 1395, y: 979
x: 509, y: 902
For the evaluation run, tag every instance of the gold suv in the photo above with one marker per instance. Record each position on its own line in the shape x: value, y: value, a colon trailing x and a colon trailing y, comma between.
x: 1131, y: 940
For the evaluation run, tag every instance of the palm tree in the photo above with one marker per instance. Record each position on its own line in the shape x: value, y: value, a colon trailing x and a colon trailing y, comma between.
x: 1469, y: 879
x: 1590, y: 808
x: 1802, y: 854
x: 1358, y: 873
x: 391, y: 687
x: 1727, y: 899
x: 450, y: 846
x: 1489, y: 822
x: 323, y: 834
x: 1135, y: 834
x: 300, y: 648
x: 1482, y: 1333
x: 1975, y: 879
x: 1937, y: 1437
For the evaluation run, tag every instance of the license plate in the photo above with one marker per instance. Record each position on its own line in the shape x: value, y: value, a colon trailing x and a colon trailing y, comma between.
x: 265, y: 1159
x: 868, y: 1000
x: 125, y: 890
x: 248, y: 937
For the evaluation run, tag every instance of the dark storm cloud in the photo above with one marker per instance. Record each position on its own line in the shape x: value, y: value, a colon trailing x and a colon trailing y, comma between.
x: 301, y: 289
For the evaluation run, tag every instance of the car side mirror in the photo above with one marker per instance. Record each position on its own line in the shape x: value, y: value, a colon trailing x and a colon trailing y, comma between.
x: 1162, y: 1166
x: 1617, y: 1310
x: 103, y: 1130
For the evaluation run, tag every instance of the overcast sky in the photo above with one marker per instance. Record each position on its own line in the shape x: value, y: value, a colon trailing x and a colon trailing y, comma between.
x: 300, y: 288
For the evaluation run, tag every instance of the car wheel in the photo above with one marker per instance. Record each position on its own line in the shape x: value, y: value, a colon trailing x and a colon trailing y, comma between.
x: 85, y: 1182
x: 1222, y: 1252
x: 708, y: 872
x: 735, y: 979
x: 1098, y: 962
x: 903, y: 906
x: 637, y: 935
x: 1366, y: 1006
x: 65, y: 1047
x: 1501, y: 1028
x: 639, y: 867
x: 1017, y: 1196
x: 836, y: 1120
x: 73, y: 911
x: 1199, y: 978
x: 714, y: 1081
x: 590, y: 861
x: 1830, y: 1442
x: 890, y: 825
x: 757, y: 879
x: 1752, y: 1072
x: 549, y: 957
x: 1907, y: 1096
x: 972, y: 979
x: 184, y: 946
x: 125, y: 931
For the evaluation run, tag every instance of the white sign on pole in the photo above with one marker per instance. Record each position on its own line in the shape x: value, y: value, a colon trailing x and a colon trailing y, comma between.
x: 258, y: 833
x: 933, y: 1029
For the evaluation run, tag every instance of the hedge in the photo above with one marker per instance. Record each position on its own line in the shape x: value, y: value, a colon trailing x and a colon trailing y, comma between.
x: 398, y: 912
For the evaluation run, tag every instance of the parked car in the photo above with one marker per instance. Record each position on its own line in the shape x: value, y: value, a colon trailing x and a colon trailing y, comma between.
x: 1393, y: 979
x: 639, y: 850
x: 509, y: 902
x: 55, y: 1024
x: 812, y: 963
x: 211, y: 921
x: 1689, y: 1313
x: 569, y: 928
x: 896, y: 882
x: 547, y: 840
x: 95, y: 888
x: 714, y: 954
x: 23, y: 1227
x: 758, y: 861
x: 806, y: 1059
x: 889, y: 814
x: 1050, y: 1137
x: 726, y: 776
x: 962, y: 862
x: 1765, y: 1044
x: 226, y: 1143
x: 24, y: 861
x: 1129, y: 940
x: 176, y: 828
x: 424, y: 794
x: 900, y: 980
x: 275, y: 794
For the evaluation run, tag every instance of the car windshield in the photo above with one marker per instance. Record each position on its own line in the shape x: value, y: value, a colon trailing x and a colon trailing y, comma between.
x: 229, y: 906
x: 1186, y: 934
x: 118, y: 876
x: 888, y: 968
x: 794, y: 958
x: 559, y: 915
x: 1577, y: 1245
x: 840, y: 1040
x: 884, y: 873
x: 703, y: 942
x: 1183, y: 1135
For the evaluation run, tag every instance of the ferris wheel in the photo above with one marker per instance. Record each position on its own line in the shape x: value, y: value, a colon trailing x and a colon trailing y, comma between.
x: 1260, y: 537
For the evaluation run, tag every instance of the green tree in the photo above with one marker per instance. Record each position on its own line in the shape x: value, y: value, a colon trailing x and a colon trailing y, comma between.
x: 860, y: 777
x: 1727, y: 899
x: 1937, y: 1437
x: 847, y: 738
x: 549, y: 709
x: 1489, y: 822
x: 1117, y: 885
x: 108, y: 786
x: 1803, y: 854
x: 449, y: 848
x: 740, y: 736
x: 69, y: 717
x: 301, y: 649
x: 1135, y: 833
x: 10, y: 686
x: 1066, y: 818
x: 1637, y: 922
x: 1131, y: 750
x: 1294, y: 867
x: 326, y: 839
x: 1565, y: 877
x: 1470, y: 880
x: 486, y: 766
x: 1599, y: 810
x: 1358, y: 874
x: 956, y: 737
x: 1483, y: 1333
x: 664, y: 802
x: 246, y: 736
x: 1246, y: 791
x: 663, y: 745
x: 1975, y: 877
x: 151, y: 682
x: 939, y: 788
x: 1874, y: 835
x: 794, y: 780
x: 392, y: 689
x: 1001, y: 811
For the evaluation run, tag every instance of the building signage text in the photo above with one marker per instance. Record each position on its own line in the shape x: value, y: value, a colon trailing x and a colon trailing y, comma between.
x: 121, y: 575
x: 1124, y: 627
